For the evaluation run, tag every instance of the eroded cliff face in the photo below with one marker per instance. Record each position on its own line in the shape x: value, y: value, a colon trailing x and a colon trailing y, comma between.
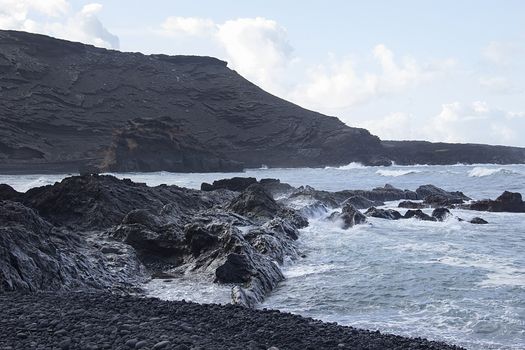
x: 67, y: 106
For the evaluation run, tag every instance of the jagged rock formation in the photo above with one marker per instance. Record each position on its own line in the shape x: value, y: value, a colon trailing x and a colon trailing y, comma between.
x: 75, y: 228
x: 35, y: 255
x: 388, y: 214
x: 71, y: 107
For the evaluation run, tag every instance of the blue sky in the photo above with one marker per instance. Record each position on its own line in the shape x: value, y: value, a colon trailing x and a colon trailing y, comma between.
x: 438, y: 70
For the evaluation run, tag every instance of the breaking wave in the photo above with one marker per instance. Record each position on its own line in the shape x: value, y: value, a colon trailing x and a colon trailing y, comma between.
x: 353, y: 165
x: 396, y: 173
x: 482, y: 172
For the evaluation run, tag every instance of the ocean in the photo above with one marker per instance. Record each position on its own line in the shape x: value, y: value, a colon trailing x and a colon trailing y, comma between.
x: 450, y: 281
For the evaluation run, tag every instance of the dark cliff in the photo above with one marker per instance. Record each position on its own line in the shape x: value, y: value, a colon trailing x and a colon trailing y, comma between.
x: 67, y: 106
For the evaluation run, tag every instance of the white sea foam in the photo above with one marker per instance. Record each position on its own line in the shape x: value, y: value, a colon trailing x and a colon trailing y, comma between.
x: 482, y: 172
x: 396, y: 172
x: 353, y: 165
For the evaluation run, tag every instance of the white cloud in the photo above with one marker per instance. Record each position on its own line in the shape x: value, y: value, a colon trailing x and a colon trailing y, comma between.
x: 395, y: 126
x: 501, y: 53
x: 476, y: 122
x: 258, y: 48
x: 56, y: 19
x: 339, y: 85
x: 498, y: 85
x: 91, y: 9
x: 178, y: 26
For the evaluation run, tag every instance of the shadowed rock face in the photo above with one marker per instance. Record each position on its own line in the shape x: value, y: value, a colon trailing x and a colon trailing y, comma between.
x: 67, y: 106
x: 35, y: 255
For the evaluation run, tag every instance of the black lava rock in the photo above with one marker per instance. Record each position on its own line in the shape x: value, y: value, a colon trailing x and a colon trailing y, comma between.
x: 418, y: 214
x: 389, y: 214
x: 441, y: 214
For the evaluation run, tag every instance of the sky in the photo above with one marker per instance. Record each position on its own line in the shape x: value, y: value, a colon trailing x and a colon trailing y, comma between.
x: 435, y: 70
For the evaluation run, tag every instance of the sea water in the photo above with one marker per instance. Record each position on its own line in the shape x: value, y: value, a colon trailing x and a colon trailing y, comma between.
x: 450, y: 281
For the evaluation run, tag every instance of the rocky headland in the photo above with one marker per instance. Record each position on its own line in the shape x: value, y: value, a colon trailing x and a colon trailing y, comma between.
x: 70, y: 107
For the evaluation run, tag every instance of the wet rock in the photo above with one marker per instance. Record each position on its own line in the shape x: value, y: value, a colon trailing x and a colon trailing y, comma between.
x: 236, y: 269
x: 441, y: 214
x: 418, y: 214
x: 199, y: 238
x: 437, y: 197
x: 362, y: 198
x: 142, y: 217
x: 314, y: 210
x: 238, y: 184
x: 308, y: 194
x: 101, y: 201
x: 361, y: 202
x: 276, y: 187
x: 389, y: 214
x: 255, y: 203
x: 8, y: 193
x: 35, y: 255
x: 478, y: 221
x: 349, y: 217
x: 412, y: 205
x: 508, y: 202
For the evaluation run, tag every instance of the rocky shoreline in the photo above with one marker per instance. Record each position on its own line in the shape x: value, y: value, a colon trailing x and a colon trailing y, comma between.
x: 100, y: 234
x: 108, y: 321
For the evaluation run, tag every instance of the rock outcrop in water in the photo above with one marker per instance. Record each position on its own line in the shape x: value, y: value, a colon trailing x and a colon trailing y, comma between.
x: 67, y: 107
x: 508, y: 202
x: 437, y: 197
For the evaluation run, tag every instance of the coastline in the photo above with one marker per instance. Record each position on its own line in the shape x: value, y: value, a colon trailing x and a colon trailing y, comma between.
x: 102, y: 320
x: 133, y: 223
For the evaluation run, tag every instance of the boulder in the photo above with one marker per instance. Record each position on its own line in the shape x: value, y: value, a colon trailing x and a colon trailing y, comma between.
x: 441, y: 214
x: 8, y: 193
x: 412, y: 205
x: 438, y: 197
x: 418, y: 214
x: 257, y: 204
x: 361, y: 202
x: 508, y: 202
x: 238, y: 184
x: 276, y: 188
x: 349, y: 217
x: 437, y: 200
x: 389, y: 214
x: 384, y: 194
x: 478, y: 221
